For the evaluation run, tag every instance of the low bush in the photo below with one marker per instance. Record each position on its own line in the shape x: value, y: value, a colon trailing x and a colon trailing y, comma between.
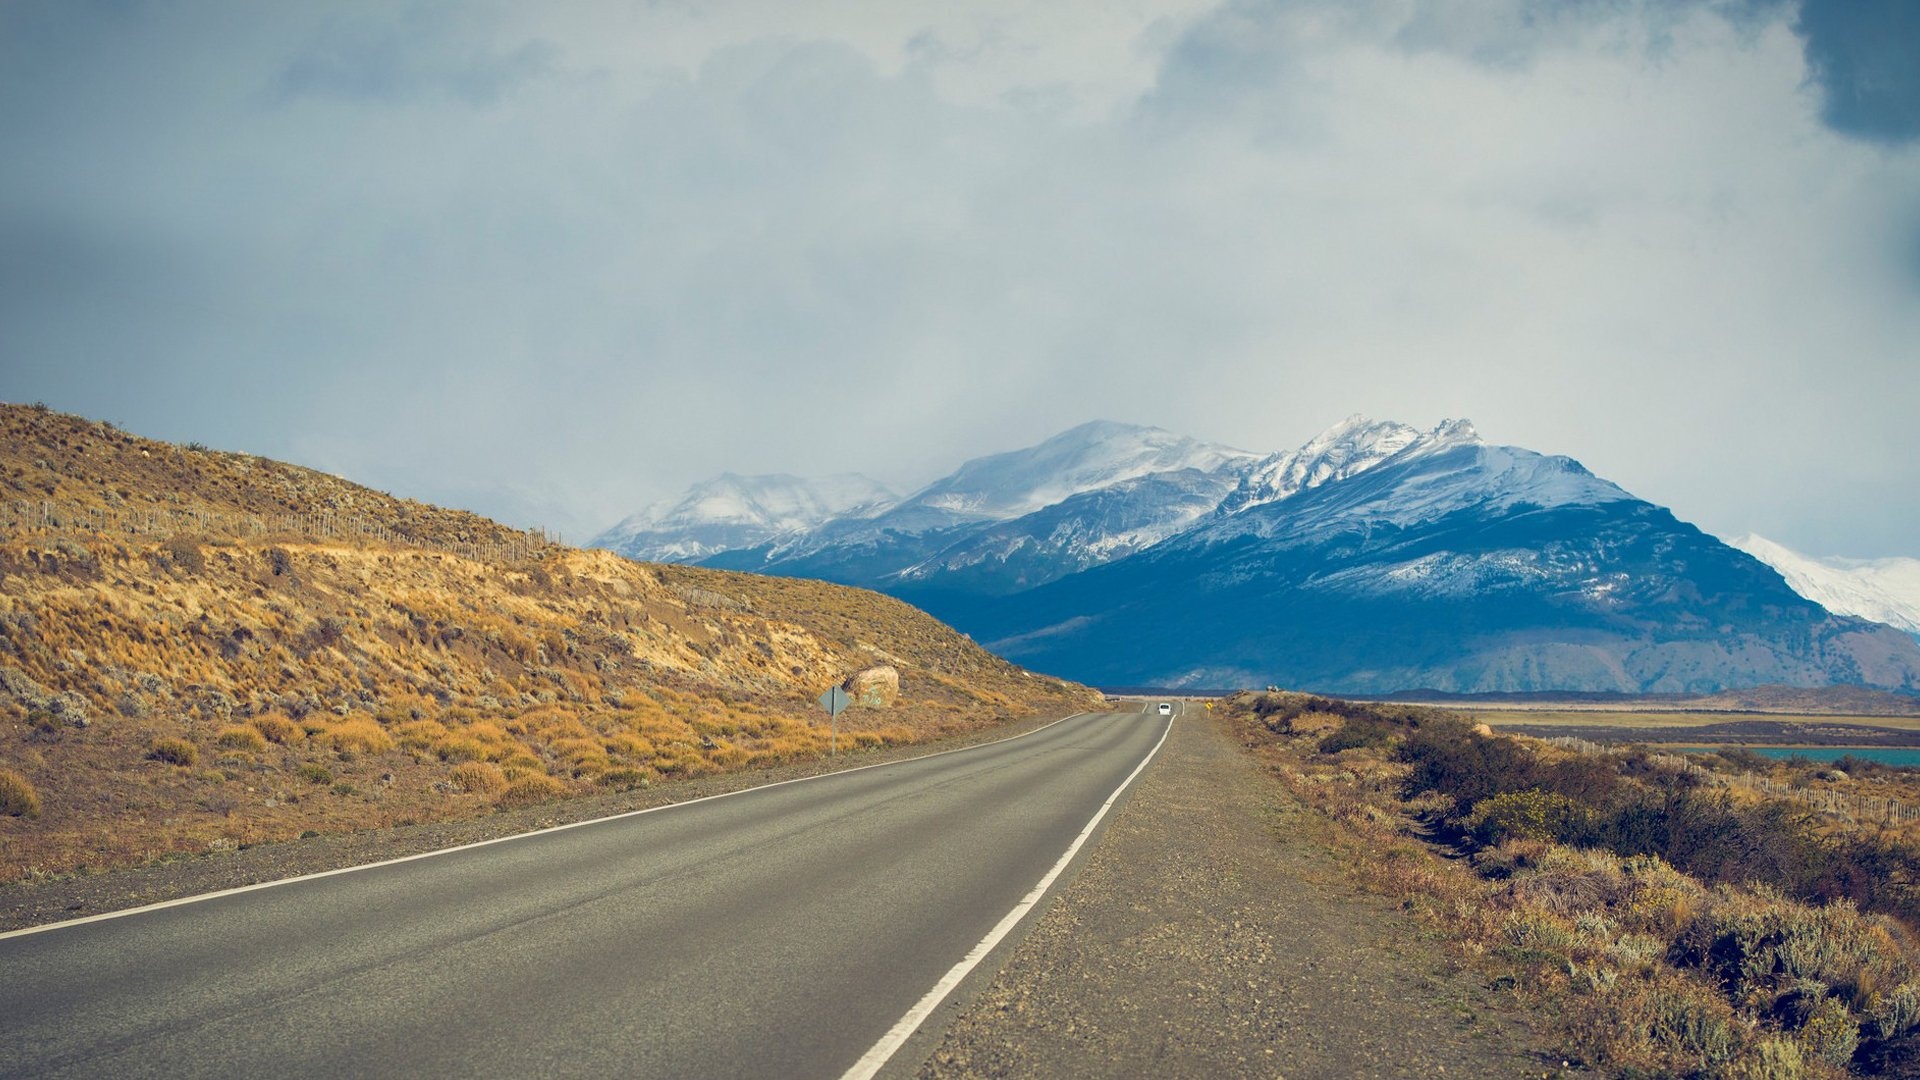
x: 1522, y: 815
x: 278, y: 729
x: 359, y: 735
x: 478, y: 778
x: 241, y: 737
x: 17, y: 796
x: 625, y: 778
x: 1676, y: 926
x: 173, y: 751
x: 1355, y: 732
x: 531, y: 788
x: 314, y: 773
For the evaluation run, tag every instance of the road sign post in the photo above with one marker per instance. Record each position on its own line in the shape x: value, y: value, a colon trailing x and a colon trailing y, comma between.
x: 835, y: 701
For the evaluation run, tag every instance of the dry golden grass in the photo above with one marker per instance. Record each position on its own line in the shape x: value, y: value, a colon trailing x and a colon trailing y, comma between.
x: 241, y: 737
x: 1647, y: 971
x: 478, y: 777
x: 378, y: 666
x: 173, y: 751
x: 531, y: 788
x: 17, y: 796
x: 278, y: 729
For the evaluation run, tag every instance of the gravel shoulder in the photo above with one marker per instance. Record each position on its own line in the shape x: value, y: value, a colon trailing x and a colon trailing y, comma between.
x: 72, y: 896
x: 1207, y: 934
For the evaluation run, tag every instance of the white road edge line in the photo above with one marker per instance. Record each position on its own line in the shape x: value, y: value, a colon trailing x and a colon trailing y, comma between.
x: 876, y: 1058
x: 185, y: 900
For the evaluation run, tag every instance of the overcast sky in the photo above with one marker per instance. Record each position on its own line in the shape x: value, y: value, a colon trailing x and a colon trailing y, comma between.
x: 555, y: 261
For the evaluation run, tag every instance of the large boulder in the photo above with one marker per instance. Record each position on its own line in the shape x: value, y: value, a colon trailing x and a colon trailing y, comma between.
x: 874, y: 687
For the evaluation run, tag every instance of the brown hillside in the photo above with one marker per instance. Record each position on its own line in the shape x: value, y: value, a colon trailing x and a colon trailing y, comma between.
x: 202, y: 649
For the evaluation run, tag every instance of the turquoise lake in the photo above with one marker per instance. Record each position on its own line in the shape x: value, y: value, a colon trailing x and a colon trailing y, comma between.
x: 1887, y: 755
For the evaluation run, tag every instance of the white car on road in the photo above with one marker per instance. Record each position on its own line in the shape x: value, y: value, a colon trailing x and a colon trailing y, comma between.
x: 1166, y: 708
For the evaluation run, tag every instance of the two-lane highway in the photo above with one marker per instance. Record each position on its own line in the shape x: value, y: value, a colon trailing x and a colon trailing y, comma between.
x: 780, y: 931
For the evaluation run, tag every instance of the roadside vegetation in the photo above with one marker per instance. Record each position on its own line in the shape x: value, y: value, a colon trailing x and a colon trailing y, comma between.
x: 1674, y: 925
x: 184, y: 692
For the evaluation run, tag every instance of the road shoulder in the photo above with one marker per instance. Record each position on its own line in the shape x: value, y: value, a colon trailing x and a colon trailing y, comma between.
x: 1207, y: 935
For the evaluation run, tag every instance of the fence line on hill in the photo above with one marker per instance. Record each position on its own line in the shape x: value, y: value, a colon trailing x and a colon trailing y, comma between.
x: 48, y: 517
x: 1854, y: 807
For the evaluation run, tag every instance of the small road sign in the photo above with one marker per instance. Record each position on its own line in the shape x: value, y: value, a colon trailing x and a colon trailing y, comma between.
x: 835, y: 701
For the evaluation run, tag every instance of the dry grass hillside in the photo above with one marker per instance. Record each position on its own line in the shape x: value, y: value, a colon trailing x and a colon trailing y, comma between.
x: 203, y: 650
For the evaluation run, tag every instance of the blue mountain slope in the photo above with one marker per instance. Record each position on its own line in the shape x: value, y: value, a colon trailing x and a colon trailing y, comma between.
x: 1468, y: 569
x: 1374, y: 558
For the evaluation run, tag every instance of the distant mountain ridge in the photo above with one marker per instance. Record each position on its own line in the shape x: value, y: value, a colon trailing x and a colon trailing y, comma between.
x: 732, y: 511
x: 1884, y: 590
x: 1374, y: 558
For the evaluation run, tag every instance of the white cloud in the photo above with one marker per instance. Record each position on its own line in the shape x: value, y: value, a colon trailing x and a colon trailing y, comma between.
x: 556, y: 262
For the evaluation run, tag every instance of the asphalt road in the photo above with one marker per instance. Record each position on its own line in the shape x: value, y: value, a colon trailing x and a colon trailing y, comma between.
x: 776, y: 932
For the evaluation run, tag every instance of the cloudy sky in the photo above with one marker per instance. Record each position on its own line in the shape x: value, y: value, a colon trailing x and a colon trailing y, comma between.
x: 555, y: 261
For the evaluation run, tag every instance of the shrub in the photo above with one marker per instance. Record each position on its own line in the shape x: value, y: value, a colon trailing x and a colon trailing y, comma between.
x: 459, y: 748
x: 625, y: 778
x: 17, y: 797
x: 1522, y: 815
x: 314, y: 773
x: 1450, y: 758
x: 1357, y: 732
x: 532, y: 788
x: 359, y: 735
x: 185, y: 554
x: 241, y: 737
x: 478, y: 777
x: 173, y: 751
x: 278, y: 729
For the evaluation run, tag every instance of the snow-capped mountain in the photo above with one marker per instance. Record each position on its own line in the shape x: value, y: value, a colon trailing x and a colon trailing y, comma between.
x: 1018, y: 519
x: 1086, y: 458
x: 730, y: 512
x: 1348, y: 448
x: 1884, y: 590
x: 1375, y: 557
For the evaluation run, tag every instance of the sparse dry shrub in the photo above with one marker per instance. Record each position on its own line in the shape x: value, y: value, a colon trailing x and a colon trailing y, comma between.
x: 173, y: 751
x: 625, y: 778
x: 629, y: 746
x: 520, y: 763
x: 459, y: 748
x: 419, y: 735
x: 241, y: 737
x: 531, y: 788
x: 1521, y: 815
x: 581, y: 755
x: 185, y: 554
x: 314, y: 773
x: 1768, y: 1058
x: 1568, y: 881
x: 1895, y: 1012
x: 358, y: 735
x: 1829, y: 1033
x: 478, y: 777
x: 278, y: 729
x: 17, y: 796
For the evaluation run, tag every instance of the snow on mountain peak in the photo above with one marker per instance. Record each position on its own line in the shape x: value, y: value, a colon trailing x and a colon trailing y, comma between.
x: 777, y: 501
x: 1086, y: 458
x: 1884, y: 590
x: 732, y: 511
x: 1348, y: 448
x: 1435, y: 472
